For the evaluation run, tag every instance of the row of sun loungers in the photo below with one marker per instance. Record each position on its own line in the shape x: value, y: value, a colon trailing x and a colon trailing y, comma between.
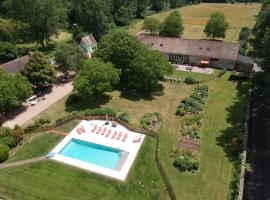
x: 108, y: 133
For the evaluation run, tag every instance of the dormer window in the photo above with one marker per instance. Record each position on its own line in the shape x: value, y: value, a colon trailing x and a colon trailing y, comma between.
x: 200, y: 48
x: 208, y: 49
x: 161, y: 45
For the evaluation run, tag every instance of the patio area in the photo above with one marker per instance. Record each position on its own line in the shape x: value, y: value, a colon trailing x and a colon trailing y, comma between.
x: 195, y: 69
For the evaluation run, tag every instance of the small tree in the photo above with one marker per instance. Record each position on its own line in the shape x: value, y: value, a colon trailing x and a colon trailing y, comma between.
x: 13, y: 90
x: 151, y: 24
x: 95, y: 78
x: 77, y: 33
x: 172, y: 25
x: 69, y: 58
x: 38, y: 70
x: 8, y: 52
x: 216, y: 26
x: 4, y: 152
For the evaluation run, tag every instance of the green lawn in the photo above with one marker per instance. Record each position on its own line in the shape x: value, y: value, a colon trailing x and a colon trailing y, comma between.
x: 51, y: 180
x: 211, y: 182
x: 196, y: 16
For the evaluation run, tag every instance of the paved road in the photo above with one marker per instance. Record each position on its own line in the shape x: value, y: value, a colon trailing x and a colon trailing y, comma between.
x: 23, y: 162
x: 58, y: 92
x: 260, y: 127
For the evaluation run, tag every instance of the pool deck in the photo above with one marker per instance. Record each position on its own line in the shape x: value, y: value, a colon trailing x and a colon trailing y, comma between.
x: 115, y: 140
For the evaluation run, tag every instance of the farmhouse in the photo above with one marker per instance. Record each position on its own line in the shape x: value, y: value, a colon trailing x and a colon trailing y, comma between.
x: 16, y: 65
x: 205, y: 53
x: 88, y: 44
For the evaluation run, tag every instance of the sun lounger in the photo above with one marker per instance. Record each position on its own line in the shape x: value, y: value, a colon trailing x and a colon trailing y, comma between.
x: 79, y: 131
x: 94, y: 129
x: 104, y: 130
x: 109, y: 133
x: 138, y: 139
x: 114, y: 135
x: 82, y: 129
x: 119, y: 136
x: 125, y: 137
x: 98, y: 131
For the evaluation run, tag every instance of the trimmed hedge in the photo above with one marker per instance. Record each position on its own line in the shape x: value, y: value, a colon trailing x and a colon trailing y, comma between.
x: 4, y: 152
x: 124, y: 117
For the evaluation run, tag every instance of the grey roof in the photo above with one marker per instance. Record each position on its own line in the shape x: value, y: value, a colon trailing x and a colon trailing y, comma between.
x: 203, y: 48
x: 16, y: 65
x: 89, y: 40
x: 245, y: 60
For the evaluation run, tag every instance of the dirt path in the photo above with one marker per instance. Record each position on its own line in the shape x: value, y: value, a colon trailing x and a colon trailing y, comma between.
x: 23, y: 162
x: 56, y: 94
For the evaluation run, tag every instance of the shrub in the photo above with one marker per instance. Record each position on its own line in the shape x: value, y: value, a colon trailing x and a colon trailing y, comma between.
x: 151, y: 121
x: 125, y: 117
x: 201, y: 91
x: 44, y: 121
x: 8, y: 140
x: 190, y: 132
x: 4, y: 131
x: 190, y: 80
x: 4, y: 152
x: 17, y: 133
x: 186, y: 162
x: 193, y: 120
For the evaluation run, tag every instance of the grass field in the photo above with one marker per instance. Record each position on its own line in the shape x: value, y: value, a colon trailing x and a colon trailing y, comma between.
x: 212, y: 182
x: 195, y: 18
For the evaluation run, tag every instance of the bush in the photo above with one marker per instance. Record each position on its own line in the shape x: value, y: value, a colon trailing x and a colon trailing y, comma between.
x: 151, y: 121
x: 4, y: 131
x: 44, y: 121
x: 186, y: 162
x: 8, y: 140
x: 194, y: 120
x: 4, y: 152
x: 201, y: 91
x: 101, y: 111
x: 17, y: 133
x: 190, y: 80
x: 190, y: 132
x: 125, y: 117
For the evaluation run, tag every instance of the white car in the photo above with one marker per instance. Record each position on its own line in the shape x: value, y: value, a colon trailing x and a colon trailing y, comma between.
x: 33, y: 102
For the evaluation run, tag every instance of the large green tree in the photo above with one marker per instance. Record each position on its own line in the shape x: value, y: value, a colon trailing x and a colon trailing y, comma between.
x: 95, y: 78
x: 13, y: 90
x: 69, y: 58
x: 39, y: 71
x: 44, y: 17
x: 151, y: 24
x: 172, y: 25
x: 216, y: 26
x: 147, y: 68
x: 138, y: 66
x: 93, y: 16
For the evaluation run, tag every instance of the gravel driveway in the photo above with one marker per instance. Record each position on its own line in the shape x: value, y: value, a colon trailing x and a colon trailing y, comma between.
x: 58, y: 92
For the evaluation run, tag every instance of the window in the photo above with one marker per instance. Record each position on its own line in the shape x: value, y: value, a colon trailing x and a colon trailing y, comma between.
x: 208, y: 49
x: 200, y: 48
x: 161, y: 45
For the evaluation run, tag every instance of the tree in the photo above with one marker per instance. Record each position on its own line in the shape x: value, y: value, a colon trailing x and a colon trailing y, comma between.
x: 69, y: 58
x: 77, y: 33
x: 151, y: 24
x: 140, y: 8
x: 122, y: 17
x: 8, y: 52
x: 119, y: 48
x: 4, y: 152
x: 13, y: 90
x: 147, y: 68
x: 244, y: 33
x: 43, y: 17
x: 172, y: 25
x: 95, y: 78
x: 261, y: 25
x: 92, y: 16
x: 157, y: 5
x: 38, y: 70
x: 216, y: 26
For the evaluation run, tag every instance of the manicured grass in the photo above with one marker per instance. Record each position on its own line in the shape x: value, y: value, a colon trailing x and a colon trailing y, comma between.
x: 51, y: 180
x: 211, y: 182
x: 195, y: 18
x: 35, y: 145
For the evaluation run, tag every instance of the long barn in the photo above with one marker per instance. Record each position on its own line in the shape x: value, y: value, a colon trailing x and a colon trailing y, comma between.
x: 205, y: 53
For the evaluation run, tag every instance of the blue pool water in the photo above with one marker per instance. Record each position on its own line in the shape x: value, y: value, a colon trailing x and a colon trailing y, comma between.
x: 92, y: 153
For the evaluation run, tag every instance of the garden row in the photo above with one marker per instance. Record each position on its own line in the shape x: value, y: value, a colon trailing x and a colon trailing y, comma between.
x: 185, y: 155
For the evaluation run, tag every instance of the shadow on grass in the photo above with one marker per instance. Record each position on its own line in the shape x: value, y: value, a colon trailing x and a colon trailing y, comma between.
x: 76, y: 103
x: 232, y: 137
x: 135, y: 96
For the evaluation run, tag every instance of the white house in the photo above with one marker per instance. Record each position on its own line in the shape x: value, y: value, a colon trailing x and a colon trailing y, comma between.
x: 88, y: 44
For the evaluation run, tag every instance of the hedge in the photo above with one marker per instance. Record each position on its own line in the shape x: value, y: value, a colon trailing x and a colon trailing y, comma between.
x: 4, y: 152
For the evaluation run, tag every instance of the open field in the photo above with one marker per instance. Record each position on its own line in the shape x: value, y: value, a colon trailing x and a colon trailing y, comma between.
x: 195, y: 18
x: 211, y: 182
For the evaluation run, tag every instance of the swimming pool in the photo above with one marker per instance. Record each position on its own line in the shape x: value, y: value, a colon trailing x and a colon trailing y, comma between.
x: 92, y: 153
